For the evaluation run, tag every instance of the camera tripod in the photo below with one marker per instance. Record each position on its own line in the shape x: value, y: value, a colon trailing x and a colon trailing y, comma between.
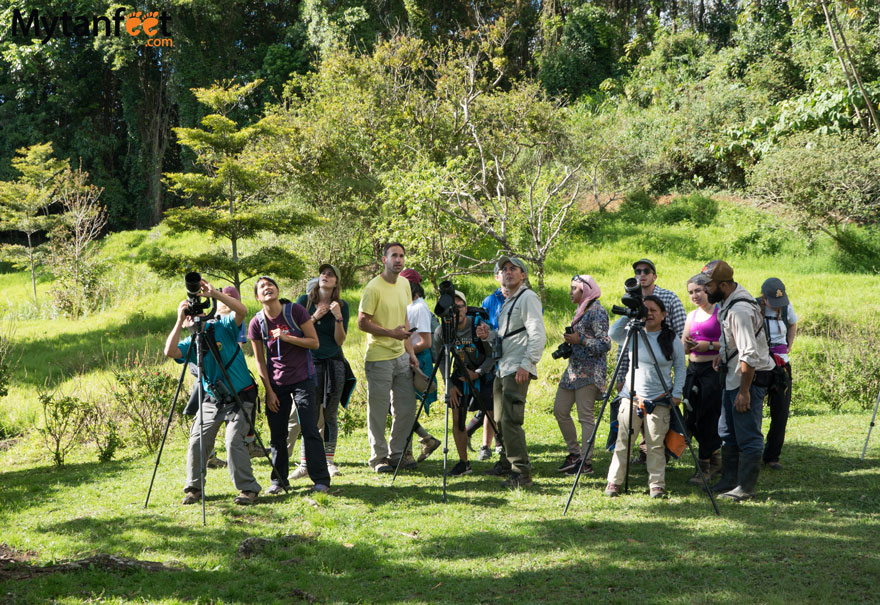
x: 871, y: 426
x: 202, y: 344
x: 449, y: 339
x: 635, y: 329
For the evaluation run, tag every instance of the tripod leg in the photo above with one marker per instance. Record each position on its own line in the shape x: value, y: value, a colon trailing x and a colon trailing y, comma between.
x: 676, y: 413
x: 873, y: 418
x: 168, y: 424
x: 203, y: 467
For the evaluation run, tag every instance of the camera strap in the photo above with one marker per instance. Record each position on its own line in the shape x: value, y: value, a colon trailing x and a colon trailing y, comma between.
x: 507, y: 332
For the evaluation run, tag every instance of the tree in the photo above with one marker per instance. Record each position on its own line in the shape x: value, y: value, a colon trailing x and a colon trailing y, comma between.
x: 74, y: 253
x: 24, y: 201
x: 233, y: 192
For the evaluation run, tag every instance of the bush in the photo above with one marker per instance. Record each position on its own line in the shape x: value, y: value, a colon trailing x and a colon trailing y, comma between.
x: 765, y: 239
x: 696, y: 208
x: 637, y: 204
x: 858, y: 249
x: 103, y: 428
x: 64, y: 419
x: 6, y: 365
x: 842, y: 371
x: 143, y: 392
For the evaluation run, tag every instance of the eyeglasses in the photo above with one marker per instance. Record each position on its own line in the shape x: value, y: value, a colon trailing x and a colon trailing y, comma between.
x: 580, y: 279
x: 643, y: 271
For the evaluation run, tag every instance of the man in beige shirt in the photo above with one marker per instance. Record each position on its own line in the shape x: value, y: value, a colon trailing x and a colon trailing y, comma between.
x: 746, y: 364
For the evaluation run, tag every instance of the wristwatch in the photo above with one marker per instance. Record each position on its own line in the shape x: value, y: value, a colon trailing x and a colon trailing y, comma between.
x: 711, y: 346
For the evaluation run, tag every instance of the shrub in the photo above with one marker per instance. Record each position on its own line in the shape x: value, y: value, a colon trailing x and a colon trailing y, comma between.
x: 64, y: 419
x: 637, y: 203
x: 6, y: 365
x: 143, y: 392
x: 765, y: 239
x: 103, y: 428
x: 696, y: 208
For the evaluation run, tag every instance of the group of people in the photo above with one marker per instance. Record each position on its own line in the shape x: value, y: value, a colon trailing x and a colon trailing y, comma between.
x: 719, y: 361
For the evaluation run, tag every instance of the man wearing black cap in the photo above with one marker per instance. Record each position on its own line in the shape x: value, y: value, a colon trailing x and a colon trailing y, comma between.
x: 646, y: 275
x: 746, y: 368
x: 780, y: 323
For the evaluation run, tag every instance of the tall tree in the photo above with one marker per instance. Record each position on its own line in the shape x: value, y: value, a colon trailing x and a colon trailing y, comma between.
x: 24, y: 201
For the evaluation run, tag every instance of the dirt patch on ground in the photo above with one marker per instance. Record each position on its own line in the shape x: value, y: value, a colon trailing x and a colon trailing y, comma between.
x: 16, y: 565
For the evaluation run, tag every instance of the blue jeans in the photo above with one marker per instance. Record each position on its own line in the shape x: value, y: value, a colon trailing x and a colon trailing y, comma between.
x: 742, y: 430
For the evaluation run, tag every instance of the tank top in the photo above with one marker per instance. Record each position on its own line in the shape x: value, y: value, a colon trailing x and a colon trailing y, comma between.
x: 706, y: 330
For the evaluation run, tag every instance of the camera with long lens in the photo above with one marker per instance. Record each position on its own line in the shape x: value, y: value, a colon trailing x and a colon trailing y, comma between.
x: 195, y: 303
x: 634, y: 304
x: 445, y: 310
x: 563, y: 351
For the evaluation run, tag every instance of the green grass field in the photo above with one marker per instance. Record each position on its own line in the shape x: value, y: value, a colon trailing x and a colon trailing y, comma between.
x: 810, y: 537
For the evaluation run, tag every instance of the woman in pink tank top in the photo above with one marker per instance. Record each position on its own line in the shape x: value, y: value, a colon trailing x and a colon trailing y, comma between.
x: 702, y: 390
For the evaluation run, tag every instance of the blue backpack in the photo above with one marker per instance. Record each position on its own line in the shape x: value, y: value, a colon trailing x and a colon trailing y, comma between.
x: 287, y: 313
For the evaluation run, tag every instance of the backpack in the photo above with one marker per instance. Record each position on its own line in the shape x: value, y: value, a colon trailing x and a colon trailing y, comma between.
x: 287, y: 313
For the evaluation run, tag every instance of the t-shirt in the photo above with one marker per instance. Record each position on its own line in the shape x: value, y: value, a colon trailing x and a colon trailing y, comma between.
x: 777, y: 329
x: 387, y: 304
x: 225, y: 332
x: 287, y: 363
x: 326, y: 328
x: 419, y: 316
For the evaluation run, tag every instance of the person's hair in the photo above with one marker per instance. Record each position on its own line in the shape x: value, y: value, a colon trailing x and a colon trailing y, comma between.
x: 315, y: 295
x: 699, y: 280
x: 416, y: 289
x: 667, y: 336
x: 266, y: 278
x: 390, y: 245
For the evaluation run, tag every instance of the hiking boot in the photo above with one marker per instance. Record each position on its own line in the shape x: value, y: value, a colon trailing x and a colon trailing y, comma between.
x: 408, y: 463
x: 748, y: 471
x: 714, y: 465
x: 571, y: 461
x: 462, y: 468
x: 300, y: 472
x: 245, y: 498
x: 612, y: 490
x: 704, y: 466
x: 517, y: 480
x: 499, y: 470
x: 192, y: 496
x: 485, y: 453
x: 333, y: 469
x: 429, y: 444
x: 383, y: 466
x: 729, y: 470
x: 658, y: 492
x: 215, y: 462
x: 255, y: 451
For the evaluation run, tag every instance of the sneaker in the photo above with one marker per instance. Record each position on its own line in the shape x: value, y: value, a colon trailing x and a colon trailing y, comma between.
x: 408, y: 463
x: 462, y: 468
x: 588, y: 469
x: 485, y: 453
x: 320, y: 488
x: 383, y: 466
x: 300, y: 472
x: 333, y: 469
x: 517, y: 480
x: 499, y: 470
x: 192, y: 496
x: 775, y: 465
x: 215, y: 462
x: 499, y: 449
x: 658, y: 492
x: 571, y: 461
x: 429, y: 444
x: 275, y: 490
x: 612, y: 490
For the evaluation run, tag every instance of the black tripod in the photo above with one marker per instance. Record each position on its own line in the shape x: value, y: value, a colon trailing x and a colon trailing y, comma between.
x: 449, y: 339
x: 635, y: 328
x: 202, y: 344
x: 871, y: 426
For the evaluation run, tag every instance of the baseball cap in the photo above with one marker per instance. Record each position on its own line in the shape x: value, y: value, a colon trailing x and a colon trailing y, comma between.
x: 333, y: 267
x: 718, y: 270
x: 233, y: 292
x: 645, y: 261
x: 510, y: 259
x: 461, y: 295
x: 411, y: 275
x: 774, y: 292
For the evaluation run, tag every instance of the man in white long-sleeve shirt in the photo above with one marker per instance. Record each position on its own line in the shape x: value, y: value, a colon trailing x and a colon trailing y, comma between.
x: 522, y: 337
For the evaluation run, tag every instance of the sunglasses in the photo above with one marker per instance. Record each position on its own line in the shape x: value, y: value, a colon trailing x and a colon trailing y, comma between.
x: 642, y: 271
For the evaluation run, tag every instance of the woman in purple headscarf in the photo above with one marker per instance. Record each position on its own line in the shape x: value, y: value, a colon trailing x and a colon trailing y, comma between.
x: 583, y: 380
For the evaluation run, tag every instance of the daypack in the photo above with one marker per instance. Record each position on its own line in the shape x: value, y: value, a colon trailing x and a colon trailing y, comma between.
x: 287, y: 313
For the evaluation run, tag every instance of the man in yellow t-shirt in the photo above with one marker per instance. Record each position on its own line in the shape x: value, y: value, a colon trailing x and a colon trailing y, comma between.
x: 382, y: 315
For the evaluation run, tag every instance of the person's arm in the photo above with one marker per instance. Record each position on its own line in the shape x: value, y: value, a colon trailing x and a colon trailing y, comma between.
x: 239, y: 311
x: 422, y: 342
x: 789, y: 337
x: 340, y: 317
x: 171, y: 348
x: 686, y: 335
x: 677, y: 315
x: 407, y: 344
x: 679, y: 369
x: 263, y: 373
x: 533, y: 321
x: 749, y: 358
x: 366, y: 324
x: 598, y: 322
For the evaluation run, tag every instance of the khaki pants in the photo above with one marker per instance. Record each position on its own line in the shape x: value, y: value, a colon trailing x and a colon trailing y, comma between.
x: 389, y: 389
x: 656, y: 426
x: 510, y: 404
x: 585, y: 397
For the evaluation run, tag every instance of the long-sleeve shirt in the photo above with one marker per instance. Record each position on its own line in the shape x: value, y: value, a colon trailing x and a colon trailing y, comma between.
x: 467, y: 352
x: 493, y: 304
x: 742, y: 338
x: 648, y: 383
x: 675, y: 316
x: 587, y: 363
x: 522, y: 309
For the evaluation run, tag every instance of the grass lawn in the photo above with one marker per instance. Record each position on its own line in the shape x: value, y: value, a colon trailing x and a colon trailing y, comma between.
x: 810, y: 537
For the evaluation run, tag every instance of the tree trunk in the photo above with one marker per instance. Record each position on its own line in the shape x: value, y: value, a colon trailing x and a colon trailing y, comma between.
x: 855, y: 73
x: 843, y: 66
x: 539, y: 272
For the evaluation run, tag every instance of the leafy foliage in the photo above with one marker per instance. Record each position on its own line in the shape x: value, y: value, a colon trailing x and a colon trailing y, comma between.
x: 65, y: 418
